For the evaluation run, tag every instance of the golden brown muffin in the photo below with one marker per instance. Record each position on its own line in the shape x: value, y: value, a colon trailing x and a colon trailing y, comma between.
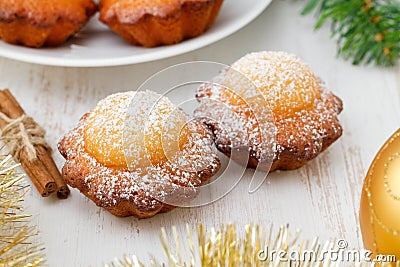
x: 127, y: 159
x: 35, y: 23
x: 158, y: 22
x: 304, y: 113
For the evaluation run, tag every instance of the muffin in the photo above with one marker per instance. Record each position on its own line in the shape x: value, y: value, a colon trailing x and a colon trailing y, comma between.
x: 304, y: 113
x: 153, y: 23
x: 136, y: 152
x: 43, y: 23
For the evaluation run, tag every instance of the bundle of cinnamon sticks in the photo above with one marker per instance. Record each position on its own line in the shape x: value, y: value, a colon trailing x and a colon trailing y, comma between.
x: 41, y: 169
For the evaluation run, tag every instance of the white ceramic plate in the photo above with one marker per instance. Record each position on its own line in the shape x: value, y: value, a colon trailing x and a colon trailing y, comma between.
x: 97, y: 46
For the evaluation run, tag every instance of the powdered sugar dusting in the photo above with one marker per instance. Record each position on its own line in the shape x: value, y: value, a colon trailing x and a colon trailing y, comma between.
x: 105, y: 127
x: 145, y: 186
x: 153, y: 129
x: 240, y: 119
x: 305, y: 114
x: 287, y: 84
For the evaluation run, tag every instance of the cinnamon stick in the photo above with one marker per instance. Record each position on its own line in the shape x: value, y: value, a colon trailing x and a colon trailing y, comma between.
x: 39, y: 186
x: 42, y: 170
x: 62, y: 188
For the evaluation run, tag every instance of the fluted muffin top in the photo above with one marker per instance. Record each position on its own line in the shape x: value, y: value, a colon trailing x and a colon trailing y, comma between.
x: 130, y: 11
x: 47, y: 13
x: 135, y: 129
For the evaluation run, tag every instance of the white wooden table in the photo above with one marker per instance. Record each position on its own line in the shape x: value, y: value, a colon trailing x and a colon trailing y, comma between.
x: 321, y: 198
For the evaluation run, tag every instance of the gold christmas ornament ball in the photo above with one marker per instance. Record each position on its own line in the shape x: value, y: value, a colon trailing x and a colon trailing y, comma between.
x: 380, y: 201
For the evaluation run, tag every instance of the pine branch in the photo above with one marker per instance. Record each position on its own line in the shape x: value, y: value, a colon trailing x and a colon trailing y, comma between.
x: 366, y: 30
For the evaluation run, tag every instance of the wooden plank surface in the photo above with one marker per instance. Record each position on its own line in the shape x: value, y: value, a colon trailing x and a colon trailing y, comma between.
x: 321, y: 198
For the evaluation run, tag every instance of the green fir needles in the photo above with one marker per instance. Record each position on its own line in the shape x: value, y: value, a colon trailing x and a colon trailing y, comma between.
x: 367, y: 30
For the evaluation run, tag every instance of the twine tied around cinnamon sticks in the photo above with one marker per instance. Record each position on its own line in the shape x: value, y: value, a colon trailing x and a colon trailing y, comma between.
x: 20, y: 133
x: 25, y: 139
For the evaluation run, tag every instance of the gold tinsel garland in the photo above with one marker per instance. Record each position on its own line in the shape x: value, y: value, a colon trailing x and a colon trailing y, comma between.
x: 17, y: 237
x: 225, y: 247
x: 214, y: 248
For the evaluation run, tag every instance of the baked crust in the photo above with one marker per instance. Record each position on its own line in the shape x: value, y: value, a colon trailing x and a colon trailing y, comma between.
x: 299, y: 137
x: 153, y: 23
x: 37, y: 23
x: 292, y: 152
x: 125, y: 192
